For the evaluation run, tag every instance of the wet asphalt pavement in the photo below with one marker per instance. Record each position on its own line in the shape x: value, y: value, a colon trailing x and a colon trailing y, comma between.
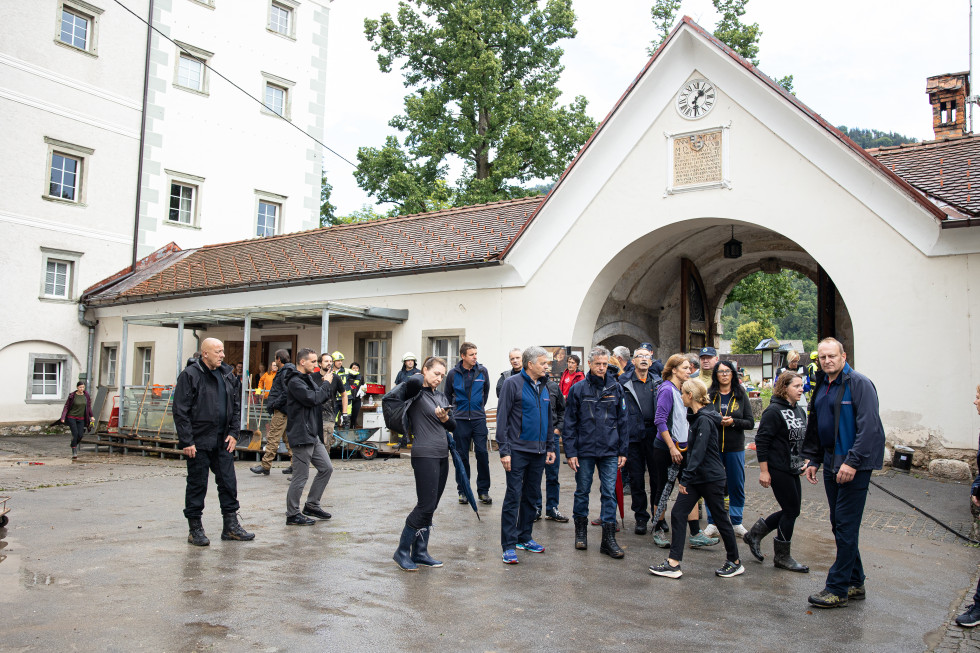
x: 96, y: 558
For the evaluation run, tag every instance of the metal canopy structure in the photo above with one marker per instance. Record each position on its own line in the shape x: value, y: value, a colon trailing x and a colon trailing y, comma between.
x: 314, y: 314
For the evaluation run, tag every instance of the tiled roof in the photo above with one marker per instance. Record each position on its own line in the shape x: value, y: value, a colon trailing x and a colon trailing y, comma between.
x: 942, y: 169
x: 464, y: 237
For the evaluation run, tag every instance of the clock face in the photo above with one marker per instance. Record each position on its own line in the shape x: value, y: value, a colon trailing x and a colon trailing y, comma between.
x: 696, y: 99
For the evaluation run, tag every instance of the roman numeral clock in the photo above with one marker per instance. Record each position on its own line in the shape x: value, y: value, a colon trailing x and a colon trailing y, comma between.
x: 696, y: 99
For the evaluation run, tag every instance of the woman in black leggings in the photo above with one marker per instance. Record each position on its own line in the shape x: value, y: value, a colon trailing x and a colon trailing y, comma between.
x: 777, y: 446
x: 428, y: 420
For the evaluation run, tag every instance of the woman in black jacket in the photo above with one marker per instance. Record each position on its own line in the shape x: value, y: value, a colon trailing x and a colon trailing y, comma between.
x: 703, y: 476
x: 426, y: 417
x: 731, y: 402
x: 778, y: 445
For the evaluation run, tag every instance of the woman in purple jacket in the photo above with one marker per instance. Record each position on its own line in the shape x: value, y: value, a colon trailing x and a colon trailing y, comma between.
x: 77, y: 413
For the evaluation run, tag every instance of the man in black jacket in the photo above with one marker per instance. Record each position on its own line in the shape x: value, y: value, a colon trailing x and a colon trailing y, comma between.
x: 275, y: 404
x: 641, y: 406
x: 304, y: 419
x: 514, y: 356
x: 207, y: 410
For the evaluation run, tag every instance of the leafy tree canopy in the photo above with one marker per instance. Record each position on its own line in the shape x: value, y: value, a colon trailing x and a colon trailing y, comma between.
x: 327, y: 209
x: 868, y: 138
x: 483, y: 76
x: 749, y: 335
x: 741, y: 37
x: 787, y: 301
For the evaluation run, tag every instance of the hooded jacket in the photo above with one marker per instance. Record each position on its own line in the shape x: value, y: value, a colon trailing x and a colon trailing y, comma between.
x: 568, y: 379
x: 195, y: 406
x: 595, y: 419
x: 277, y: 395
x: 304, y: 407
x: 859, y: 437
x: 703, y: 458
x: 525, y: 417
x: 732, y: 438
x: 468, y: 391
x: 779, y: 441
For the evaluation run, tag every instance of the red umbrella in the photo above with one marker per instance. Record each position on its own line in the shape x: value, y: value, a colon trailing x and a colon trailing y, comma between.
x: 619, y: 495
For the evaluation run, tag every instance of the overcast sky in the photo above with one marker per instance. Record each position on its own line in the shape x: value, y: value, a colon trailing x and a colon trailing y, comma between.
x: 862, y: 63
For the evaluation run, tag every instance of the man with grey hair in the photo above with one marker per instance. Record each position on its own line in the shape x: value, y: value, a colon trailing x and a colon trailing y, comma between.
x: 526, y: 442
x: 641, y: 407
x: 514, y: 356
x: 596, y: 436
x: 621, y: 360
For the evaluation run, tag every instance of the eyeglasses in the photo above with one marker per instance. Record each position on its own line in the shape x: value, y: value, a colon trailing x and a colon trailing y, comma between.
x: 724, y: 372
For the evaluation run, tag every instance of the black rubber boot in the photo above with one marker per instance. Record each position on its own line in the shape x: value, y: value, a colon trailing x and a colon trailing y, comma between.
x: 609, y: 545
x: 784, y: 560
x: 754, y: 538
x: 196, y: 535
x: 582, y: 533
x: 420, y: 549
x: 233, y: 530
x: 403, y: 555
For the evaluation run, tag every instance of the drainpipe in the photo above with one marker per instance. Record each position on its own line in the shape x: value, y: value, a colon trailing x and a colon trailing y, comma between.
x: 91, y: 342
x: 139, y: 166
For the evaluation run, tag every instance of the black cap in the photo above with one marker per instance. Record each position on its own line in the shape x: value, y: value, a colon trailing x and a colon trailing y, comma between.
x: 708, y: 351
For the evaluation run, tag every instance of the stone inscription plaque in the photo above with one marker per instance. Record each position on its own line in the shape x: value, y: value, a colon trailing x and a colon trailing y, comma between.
x: 698, y: 159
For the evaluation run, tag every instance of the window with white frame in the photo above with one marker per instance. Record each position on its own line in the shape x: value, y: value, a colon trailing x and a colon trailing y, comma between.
x: 280, y: 18
x: 375, y: 361
x: 46, y: 382
x: 110, y: 361
x: 57, y: 278
x: 65, y: 178
x: 143, y: 373
x: 276, y: 93
x: 65, y: 171
x: 275, y: 99
x: 447, y: 348
x: 77, y: 25
x: 191, y: 73
x: 58, y: 270
x: 181, y: 203
x: 267, y: 219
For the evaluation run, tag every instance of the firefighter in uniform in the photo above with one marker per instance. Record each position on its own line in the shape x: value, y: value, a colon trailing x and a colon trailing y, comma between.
x: 343, y: 416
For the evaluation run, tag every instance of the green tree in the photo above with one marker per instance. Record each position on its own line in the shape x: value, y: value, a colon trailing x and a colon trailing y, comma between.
x: 730, y: 30
x: 869, y: 138
x: 327, y: 209
x: 364, y: 214
x: 766, y: 297
x: 483, y: 76
x: 749, y: 335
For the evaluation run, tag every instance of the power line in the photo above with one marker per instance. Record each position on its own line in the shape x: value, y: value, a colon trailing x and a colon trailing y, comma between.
x: 249, y: 95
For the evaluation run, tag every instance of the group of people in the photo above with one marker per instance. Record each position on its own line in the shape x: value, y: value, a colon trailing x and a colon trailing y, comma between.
x: 666, y: 427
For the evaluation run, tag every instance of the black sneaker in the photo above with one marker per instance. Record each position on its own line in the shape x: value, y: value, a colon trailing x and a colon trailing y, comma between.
x: 313, y: 511
x: 259, y: 469
x: 666, y: 570
x: 288, y: 470
x: 299, y: 520
x: 537, y: 516
x: 856, y: 593
x: 970, y: 618
x: 485, y: 498
x: 554, y: 515
x: 730, y: 569
x: 641, y: 528
x: 827, y: 599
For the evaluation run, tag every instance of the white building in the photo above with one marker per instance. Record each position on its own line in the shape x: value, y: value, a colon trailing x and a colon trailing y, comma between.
x: 216, y: 165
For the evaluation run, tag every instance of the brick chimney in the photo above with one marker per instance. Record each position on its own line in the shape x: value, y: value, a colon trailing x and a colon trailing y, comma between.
x: 947, y: 94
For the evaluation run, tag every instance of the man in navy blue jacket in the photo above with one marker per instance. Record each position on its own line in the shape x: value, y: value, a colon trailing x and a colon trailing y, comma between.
x: 526, y: 442
x: 596, y: 435
x: 845, y: 434
x: 467, y: 388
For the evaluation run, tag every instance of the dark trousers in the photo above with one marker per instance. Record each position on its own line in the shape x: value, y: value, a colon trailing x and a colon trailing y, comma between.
x: 77, y: 428
x: 355, y: 410
x: 430, y: 481
x: 661, y: 463
x: 475, y: 431
x: 521, y: 499
x: 789, y: 494
x: 551, y: 484
x: 221, y: 463
x: 846, y: 509
x: 640, y: 462
x: 714, y: 498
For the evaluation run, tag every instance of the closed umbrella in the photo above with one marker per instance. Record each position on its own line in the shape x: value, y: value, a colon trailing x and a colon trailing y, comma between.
x: 668, y: 488
x: 461, y: 479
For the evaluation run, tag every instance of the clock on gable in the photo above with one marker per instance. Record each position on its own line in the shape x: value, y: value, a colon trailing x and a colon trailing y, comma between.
x: 696, y: 99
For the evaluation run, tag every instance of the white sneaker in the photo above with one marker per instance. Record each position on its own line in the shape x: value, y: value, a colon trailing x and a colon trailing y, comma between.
x: 740, y: 530
x: 712, y: 531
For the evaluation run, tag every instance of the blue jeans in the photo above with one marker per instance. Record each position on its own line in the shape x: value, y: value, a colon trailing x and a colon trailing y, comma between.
x: 522, y: 498
x: 734, y: 462
x: 607, y: 487
x: 551, y: 484
x: 846, y: 509
x: 475, y: 431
